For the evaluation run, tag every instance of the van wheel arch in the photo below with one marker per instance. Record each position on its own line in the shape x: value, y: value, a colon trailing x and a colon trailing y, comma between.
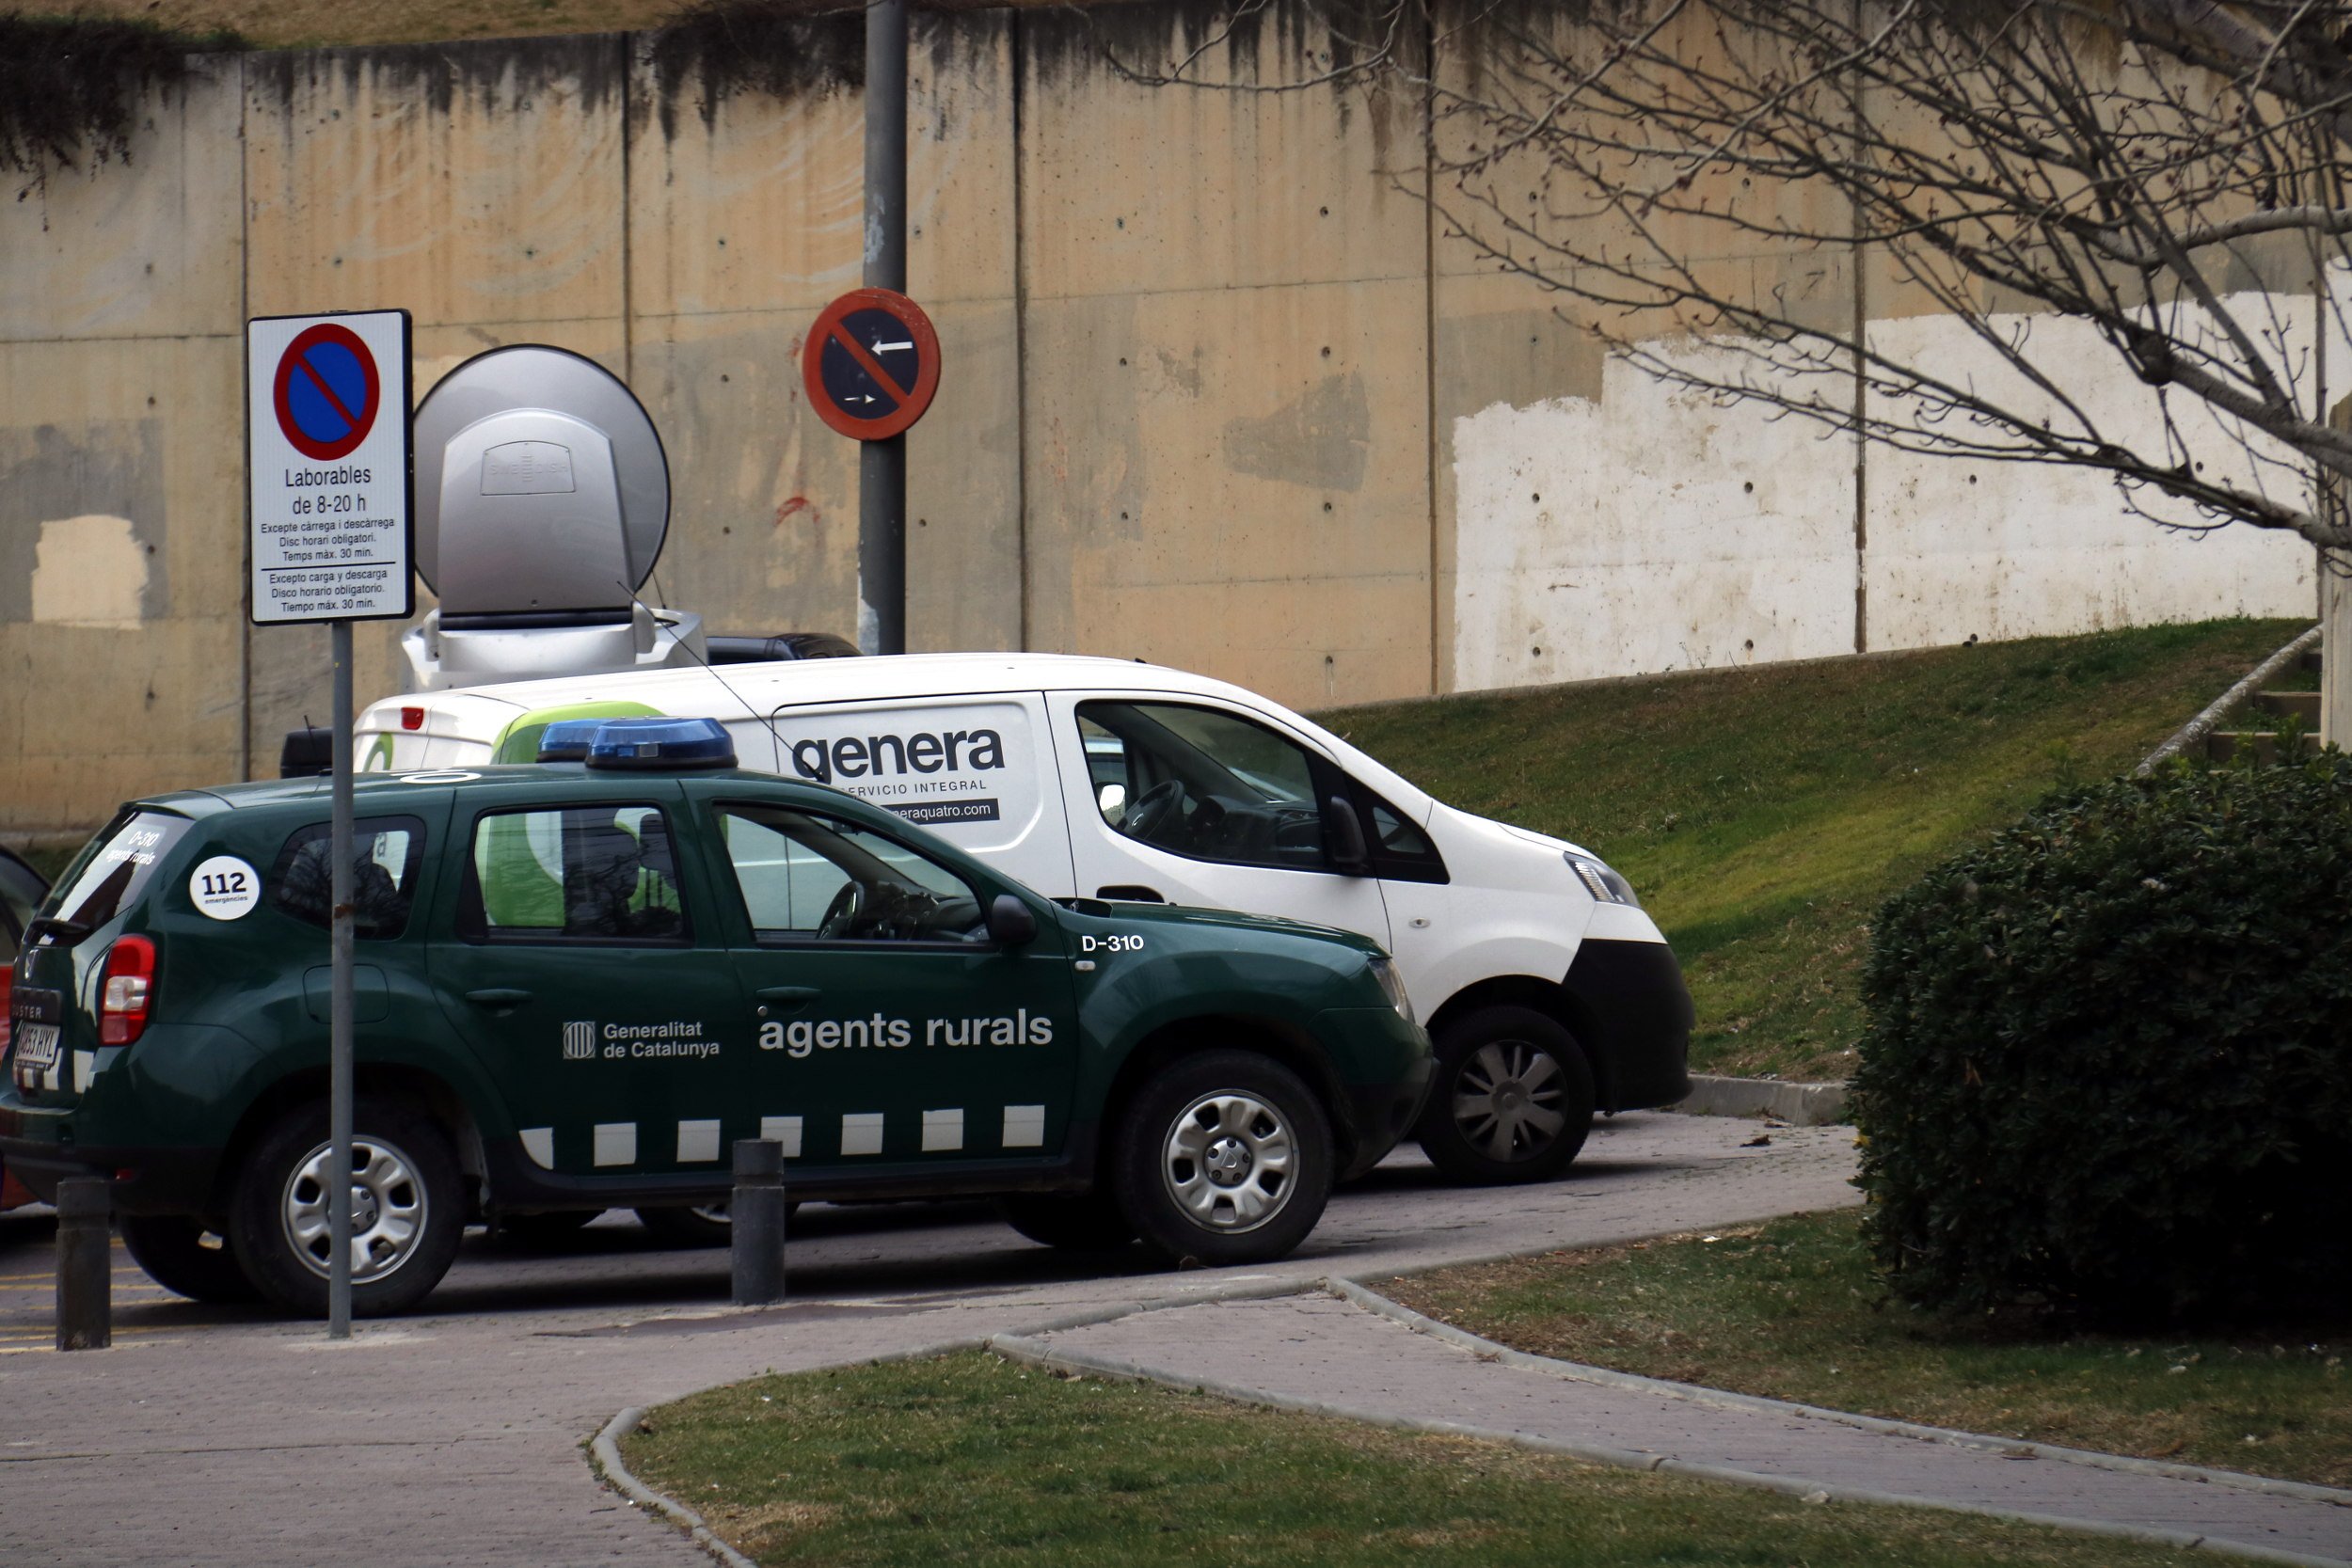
x: 413, y: 1089
x: 1549, y: 997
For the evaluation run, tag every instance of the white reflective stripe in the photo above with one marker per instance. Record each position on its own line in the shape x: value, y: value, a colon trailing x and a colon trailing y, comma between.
x: 942, y: 1129
x: 539, y: 1142
x: 784, y: 1130
x: 85, y: 1069
x: 697, y: 1142
x: 1024, y: 1127
x: 861, y: 1132
x: 616, y: 1143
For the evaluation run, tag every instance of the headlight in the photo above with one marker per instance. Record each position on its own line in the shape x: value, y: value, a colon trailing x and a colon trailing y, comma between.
x: 1393, y: 986
x: 1604, y: 884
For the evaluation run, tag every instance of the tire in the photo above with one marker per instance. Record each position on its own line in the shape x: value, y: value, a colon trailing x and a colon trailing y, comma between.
x: 704, y: 1225
x: 1074, y: 1222
x: 1512, y: 1100
x: 171, y: 1247
x: 409, y: 1210
x: 551, y: 1229
x: 1237, y: 1105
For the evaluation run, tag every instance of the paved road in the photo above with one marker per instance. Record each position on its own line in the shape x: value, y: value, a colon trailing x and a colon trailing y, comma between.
x: 215, y: 1438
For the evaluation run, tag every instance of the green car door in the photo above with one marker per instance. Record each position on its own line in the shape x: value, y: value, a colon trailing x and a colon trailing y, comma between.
x: 893, y: 1030
x: 588, y: 977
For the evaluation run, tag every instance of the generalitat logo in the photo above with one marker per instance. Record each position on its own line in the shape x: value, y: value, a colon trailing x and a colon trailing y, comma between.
x: 580, y: 1042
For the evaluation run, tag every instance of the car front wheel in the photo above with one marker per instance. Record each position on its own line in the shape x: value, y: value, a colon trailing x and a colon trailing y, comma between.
x: 407, y: 1210
x: 1513, y: 1099
x: 1224, y: 1158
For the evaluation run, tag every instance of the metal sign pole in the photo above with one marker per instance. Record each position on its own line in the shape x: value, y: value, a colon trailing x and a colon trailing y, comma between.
x: 339, y: 1007
x: 330, y: 503
x: 882, y: 523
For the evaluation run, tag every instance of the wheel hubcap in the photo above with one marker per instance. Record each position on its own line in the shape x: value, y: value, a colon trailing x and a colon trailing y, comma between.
x: 1228, y: 1161
x: 388, y: 1209
x: 1507, y: 1100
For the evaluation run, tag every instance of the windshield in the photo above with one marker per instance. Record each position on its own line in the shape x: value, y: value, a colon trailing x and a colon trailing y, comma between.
x: 116, y: 868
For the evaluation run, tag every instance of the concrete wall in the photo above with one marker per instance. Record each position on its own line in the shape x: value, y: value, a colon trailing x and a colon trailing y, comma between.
x: 1219, y: 389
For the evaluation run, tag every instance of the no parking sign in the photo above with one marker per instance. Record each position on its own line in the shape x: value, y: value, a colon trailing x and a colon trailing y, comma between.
x: 328, y: 456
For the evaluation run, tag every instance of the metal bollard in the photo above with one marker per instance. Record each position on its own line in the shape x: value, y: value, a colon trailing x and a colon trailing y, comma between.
x: 84, y: 1265
x: 756, y: 1218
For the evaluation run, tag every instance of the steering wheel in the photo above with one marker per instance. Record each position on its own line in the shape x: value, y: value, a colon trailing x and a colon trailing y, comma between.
x: 1152, y: 807
x: 843, y: 912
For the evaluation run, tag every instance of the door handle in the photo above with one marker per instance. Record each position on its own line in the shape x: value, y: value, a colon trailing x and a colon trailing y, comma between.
x: 498, y: 996
x: 1129, y: 892
x: 786, y: 993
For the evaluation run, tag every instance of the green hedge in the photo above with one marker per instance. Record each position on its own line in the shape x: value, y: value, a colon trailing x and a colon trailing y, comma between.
x: 2108, y: 1064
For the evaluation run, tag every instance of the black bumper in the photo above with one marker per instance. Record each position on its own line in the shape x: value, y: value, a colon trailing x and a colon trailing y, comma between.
x: 1633, y: 1018
x: 146, y: 1180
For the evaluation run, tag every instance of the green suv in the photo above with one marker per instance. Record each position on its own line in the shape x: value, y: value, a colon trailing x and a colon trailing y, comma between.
x: 577, y: 984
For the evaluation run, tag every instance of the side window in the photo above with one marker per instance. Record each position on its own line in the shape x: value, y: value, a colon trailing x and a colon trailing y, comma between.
x: 1205, y: 783
x: 574, y: 873
x: 1400, y: 851
x: 386, y: 852
x: 808, y: 878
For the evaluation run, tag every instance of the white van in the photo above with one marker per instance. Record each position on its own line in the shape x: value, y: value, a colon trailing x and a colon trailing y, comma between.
x: 1548, y: 991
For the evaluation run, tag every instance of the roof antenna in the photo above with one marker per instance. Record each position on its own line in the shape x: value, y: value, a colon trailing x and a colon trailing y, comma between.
x: 773, y: 733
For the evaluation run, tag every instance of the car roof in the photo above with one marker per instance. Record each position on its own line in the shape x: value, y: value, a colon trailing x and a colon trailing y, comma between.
x: 796, y: 682
x: 375, y: 794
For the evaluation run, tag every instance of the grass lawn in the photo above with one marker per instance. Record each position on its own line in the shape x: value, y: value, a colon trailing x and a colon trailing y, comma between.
x: 1789, y: 1309
x: 968, y: 1459
x: 1763, y: 814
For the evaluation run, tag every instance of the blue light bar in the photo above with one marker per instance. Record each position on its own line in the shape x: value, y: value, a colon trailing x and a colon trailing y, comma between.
x: 627, y: 743
x: 566, y: 739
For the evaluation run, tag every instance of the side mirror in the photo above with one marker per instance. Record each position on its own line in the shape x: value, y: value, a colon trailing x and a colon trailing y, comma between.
x: 1349, y: 853
x: 1010, y: 922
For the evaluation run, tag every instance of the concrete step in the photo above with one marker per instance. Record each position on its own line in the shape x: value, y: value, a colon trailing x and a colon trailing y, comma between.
x: 2224, y: 745
x: 2291, y: 704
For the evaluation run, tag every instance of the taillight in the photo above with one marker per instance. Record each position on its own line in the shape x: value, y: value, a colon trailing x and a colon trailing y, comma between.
x: 412, y: 719
x: 8, y: 989
x: 126, y: 990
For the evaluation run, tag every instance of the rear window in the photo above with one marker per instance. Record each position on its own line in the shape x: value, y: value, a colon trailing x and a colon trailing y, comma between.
x: 385, y: 854
x: 116, y: 869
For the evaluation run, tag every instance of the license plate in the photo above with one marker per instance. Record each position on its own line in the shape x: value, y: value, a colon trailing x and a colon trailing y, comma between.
x: 36, y: 1045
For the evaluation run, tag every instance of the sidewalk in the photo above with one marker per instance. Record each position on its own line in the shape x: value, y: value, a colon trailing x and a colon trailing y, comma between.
x: 1322, y: 1354
x: 456, y: 1437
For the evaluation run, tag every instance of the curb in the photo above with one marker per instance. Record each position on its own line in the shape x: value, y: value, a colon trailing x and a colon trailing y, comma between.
x: 1720, y: 1399
x: 1025, y: 1348
x: 1798, y: 1104
x: 1016, y: 1348
x: 607, y: 1455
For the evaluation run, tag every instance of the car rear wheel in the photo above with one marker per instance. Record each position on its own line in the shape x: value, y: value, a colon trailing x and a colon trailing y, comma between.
x: 1513, y: 1099
x: 1223, y: 1158
x: 184, y: 1256
x: 1074, y: 1222
x: 407, y: 1210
